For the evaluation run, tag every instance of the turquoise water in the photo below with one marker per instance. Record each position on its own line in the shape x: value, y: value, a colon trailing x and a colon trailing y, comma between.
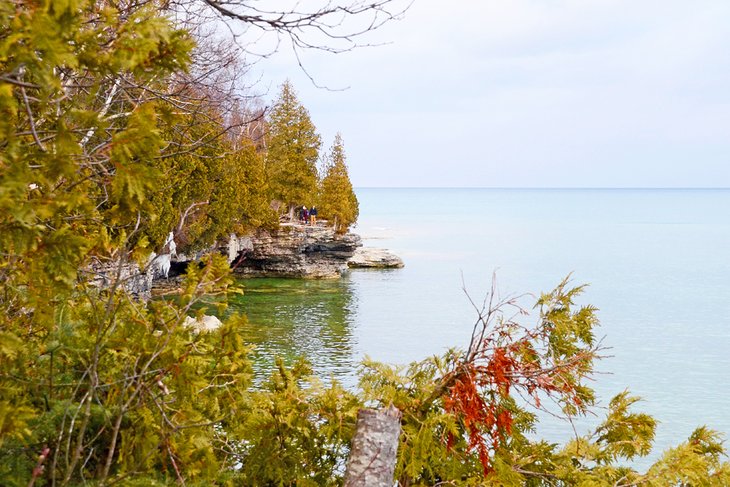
x: 657, y: 261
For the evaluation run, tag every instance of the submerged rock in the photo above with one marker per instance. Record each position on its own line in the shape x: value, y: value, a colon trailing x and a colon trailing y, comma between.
x: 372, y: 258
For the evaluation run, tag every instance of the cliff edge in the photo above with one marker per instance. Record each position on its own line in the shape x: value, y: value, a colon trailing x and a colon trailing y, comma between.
x: 292, y: 250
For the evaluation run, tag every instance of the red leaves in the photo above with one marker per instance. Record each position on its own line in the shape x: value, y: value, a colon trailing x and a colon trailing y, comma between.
x: 500, y: 369
x: 504, y: 420
x: 504, y: 357
x: 481, y: 389
x: 476, y: 397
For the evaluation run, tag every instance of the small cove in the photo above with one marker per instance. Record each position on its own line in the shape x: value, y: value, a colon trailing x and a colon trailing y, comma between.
x: 657, y: 262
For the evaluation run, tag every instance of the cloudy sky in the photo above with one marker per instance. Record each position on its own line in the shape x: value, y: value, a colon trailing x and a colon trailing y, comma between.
x: 531, y: 93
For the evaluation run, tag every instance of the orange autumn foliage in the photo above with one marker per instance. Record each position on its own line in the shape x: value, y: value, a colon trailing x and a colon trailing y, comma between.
x: 505, y: 358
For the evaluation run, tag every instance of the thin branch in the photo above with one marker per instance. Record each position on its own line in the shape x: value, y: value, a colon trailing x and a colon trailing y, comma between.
x: 17, y: 82
x: 31, y: 120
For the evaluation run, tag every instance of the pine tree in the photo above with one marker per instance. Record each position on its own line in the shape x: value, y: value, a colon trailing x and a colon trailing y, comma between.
x: 291, y: 161
x: 338, y: 202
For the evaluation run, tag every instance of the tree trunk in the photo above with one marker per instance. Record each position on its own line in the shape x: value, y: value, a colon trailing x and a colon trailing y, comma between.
x: 374, y: 447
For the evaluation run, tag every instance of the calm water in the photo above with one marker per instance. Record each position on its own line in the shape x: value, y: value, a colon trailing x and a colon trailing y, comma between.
x: 658, y: 264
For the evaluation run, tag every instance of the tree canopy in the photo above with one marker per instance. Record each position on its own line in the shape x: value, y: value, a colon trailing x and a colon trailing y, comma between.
x: 337, y: 200
x: 293, y: 150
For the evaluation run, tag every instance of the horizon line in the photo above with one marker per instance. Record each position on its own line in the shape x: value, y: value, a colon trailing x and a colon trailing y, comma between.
x: 658, y: 188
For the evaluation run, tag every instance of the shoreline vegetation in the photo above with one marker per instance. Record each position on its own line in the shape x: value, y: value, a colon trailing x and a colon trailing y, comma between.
x: 124, y: 123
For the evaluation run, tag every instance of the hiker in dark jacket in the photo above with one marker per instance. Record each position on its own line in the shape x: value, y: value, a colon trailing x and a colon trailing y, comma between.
x: 313, y: 216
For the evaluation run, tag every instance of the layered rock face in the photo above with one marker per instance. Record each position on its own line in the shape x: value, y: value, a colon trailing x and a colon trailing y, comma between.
x: 372, y: 258
x: 292, y: 250
x: 133, y: 279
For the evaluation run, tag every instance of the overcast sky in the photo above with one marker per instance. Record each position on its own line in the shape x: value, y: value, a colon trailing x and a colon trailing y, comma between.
x: 531, y: 93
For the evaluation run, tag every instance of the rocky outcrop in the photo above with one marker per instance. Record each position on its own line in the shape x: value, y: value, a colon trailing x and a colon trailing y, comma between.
x: 372, y: 258
x: 293, y: 250
x: 134, y: 280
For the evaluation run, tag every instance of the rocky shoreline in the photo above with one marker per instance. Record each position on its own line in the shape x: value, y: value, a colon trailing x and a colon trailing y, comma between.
x: 292, y: 250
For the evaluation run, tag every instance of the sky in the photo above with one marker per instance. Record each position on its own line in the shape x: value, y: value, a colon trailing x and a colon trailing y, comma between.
x: 529, y: 93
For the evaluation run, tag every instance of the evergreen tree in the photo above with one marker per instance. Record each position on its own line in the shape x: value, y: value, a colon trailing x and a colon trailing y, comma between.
x: 293, y: 149
x: 93, y: 384
x: 338, y: 202
x: 242, y: 196
x: 211, y: 190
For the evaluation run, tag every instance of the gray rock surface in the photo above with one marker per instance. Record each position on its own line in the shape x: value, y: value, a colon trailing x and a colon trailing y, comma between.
x: 293, y: 250
x: 133, y: 279
x: 368, y: 257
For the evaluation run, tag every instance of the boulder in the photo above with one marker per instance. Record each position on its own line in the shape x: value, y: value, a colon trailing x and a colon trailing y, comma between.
x: 373, y: 258
x: 204, y: 323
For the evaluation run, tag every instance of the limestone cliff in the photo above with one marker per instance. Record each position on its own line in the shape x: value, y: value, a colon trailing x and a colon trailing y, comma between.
x: 292, y: 250
x: 133, y: 279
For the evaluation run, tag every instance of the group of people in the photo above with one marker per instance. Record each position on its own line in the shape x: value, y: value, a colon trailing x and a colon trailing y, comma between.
x: 308, y: 216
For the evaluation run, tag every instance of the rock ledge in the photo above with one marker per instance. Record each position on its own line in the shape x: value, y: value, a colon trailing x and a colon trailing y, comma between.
x: 314, y: 252
x: 372, y: 258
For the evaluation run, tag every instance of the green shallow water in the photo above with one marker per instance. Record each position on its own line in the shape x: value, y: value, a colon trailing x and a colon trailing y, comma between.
x: 291, y: 318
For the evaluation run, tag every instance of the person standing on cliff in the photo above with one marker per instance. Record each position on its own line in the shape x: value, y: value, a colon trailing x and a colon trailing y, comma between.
x: 313, y: 216
x: 305, y: 215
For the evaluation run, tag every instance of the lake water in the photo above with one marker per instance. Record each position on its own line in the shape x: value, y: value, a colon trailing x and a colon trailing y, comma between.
x: 657, y: 261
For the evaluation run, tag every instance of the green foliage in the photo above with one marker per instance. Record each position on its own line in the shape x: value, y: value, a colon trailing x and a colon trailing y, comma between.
x: 73, y: 180
x: 297, y: 432
x: 624, y: 434
x: 337, y: 200
x: 698, y: 461
x: 566, y: 336
x: 293, y: 149
x: 215, y: 188
x: 112, y: 386
x: 65, y: 192
x: 128, y: 390
x: 425, y: 453
x: 242, y: 193
x: 97, y: 164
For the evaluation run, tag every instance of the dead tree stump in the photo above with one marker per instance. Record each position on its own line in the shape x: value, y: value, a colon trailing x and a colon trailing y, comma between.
x: 374, y: 448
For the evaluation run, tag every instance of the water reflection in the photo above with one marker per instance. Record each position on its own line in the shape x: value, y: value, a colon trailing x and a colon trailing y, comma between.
x: 291, y: 318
